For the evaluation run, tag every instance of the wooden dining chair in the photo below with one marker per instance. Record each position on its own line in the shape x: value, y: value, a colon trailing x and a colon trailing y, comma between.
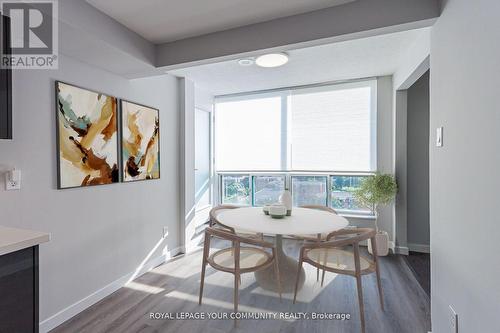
x: 335, y: 258
x: 240, y: 260
x: 315, y: 238
x: 214, y: 222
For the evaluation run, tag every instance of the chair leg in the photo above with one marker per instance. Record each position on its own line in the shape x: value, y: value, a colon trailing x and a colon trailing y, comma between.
x: 236, y: 285
x: 202, y: 281
x: 236, y: 274
x: 206, y: 248
x: 324, y: 270
x: 298, y: 277
x: 377, y: 272
x: 277, y: 272
x: 317, y: 268
x: 360, y: 300
x: 357, y: 266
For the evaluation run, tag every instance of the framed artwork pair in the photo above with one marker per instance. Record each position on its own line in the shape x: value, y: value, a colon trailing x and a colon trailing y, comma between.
x: 104, y: 140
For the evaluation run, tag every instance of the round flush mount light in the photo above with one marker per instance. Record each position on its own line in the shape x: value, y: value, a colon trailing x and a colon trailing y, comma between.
x: 272, y: 60
x: 246, y: 62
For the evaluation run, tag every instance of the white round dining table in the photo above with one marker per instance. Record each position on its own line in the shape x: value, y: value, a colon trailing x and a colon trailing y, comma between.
x: 303, y: 221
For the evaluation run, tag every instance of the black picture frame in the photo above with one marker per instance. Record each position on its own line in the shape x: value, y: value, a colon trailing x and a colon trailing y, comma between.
x: 58, y: 153
x: 5, y: 82
x: 122, y: 163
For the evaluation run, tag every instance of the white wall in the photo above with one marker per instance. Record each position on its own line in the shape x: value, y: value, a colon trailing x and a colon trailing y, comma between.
x: 464, y: 179
x: 99, y: 234
x: 414, y: 61
x: 89, y: 35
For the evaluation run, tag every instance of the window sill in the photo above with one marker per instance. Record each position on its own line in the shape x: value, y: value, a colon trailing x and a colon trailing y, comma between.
x: 361, y: 217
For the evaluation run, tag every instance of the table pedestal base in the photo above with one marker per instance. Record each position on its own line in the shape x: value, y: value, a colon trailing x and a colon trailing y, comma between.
x: 288, y: 266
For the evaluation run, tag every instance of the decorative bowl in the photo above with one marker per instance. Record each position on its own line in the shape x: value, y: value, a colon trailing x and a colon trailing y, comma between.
x: 277, y: 211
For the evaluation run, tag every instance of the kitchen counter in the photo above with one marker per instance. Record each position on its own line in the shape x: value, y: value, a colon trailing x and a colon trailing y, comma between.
x: 13, y: 239
x: 19, y: 279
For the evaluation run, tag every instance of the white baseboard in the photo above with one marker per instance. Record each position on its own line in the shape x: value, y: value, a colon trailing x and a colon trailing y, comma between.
x: 401, y: 250
x: 398, y: 249
x: 75, y: 308
x: 423, y: 248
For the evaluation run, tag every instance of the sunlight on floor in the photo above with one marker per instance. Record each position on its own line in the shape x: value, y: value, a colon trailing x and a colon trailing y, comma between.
x: 143, y: 287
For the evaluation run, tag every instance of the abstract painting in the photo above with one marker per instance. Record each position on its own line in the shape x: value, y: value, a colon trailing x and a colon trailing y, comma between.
x: 87, y: 137
x: 140, y: 142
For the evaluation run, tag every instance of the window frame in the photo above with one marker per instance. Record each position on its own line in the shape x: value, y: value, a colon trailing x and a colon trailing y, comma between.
x: 288, y: 184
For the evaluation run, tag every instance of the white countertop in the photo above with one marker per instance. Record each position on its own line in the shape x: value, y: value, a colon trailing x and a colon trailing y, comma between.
x: 13, y: 239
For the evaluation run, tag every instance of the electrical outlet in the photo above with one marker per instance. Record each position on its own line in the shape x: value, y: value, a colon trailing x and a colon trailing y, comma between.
x: 12, y: 185
x: 165, y: 232
x: 453, y: 320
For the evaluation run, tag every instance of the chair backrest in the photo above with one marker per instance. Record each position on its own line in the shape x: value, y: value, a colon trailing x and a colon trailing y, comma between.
x: 216, y: 211
x: 319, y: 207
x: 227, y: 235
x: 356, y: 236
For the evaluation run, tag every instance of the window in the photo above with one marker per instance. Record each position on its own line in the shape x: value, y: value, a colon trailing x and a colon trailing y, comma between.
x: 342, y: 195
x: 336, y: 191
x: 309, y: 190
x: 332, y: 128
x: 267, y: 189
x: 236, y: 190
x: 318, y: 141
x: 247, y: 134
x: 322, y: 128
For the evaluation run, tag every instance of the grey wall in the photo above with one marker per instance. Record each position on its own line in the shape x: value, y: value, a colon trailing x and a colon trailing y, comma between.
x: 418, y: 162
x: 102, y: 233
x: 400, y: 168
x: 464, y: 185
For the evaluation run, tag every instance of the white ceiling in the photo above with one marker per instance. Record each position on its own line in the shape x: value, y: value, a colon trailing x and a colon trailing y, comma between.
x: 162, y: 21
x: 367, y: 57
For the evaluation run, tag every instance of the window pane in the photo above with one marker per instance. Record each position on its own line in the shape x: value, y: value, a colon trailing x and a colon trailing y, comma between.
x: 236, y: 190
x: 309, y: 190
x: 333, y: 128
x: 267, y: 189
x: 343, y: 200
x: 248, y: 134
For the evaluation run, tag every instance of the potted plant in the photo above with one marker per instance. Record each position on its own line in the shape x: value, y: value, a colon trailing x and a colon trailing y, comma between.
x: 375, y: 191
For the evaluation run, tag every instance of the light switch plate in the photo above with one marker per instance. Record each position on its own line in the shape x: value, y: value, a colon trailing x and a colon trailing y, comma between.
x: 439, y: 137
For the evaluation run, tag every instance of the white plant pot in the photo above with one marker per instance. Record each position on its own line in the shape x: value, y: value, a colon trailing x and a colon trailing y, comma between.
x: 382, y: 239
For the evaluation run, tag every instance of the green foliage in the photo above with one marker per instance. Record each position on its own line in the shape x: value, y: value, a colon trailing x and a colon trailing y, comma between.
x: 379, y: 189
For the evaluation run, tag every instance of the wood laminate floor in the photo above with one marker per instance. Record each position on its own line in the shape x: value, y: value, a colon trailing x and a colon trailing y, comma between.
x: 420, y: 264
x: 173, y: 288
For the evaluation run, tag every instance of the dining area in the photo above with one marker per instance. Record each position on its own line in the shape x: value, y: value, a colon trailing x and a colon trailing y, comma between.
x: 251, y: 240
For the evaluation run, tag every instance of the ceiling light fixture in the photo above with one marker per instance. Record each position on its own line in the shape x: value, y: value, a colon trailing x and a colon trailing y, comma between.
x: 272, y: 60
x: 246, y: 62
